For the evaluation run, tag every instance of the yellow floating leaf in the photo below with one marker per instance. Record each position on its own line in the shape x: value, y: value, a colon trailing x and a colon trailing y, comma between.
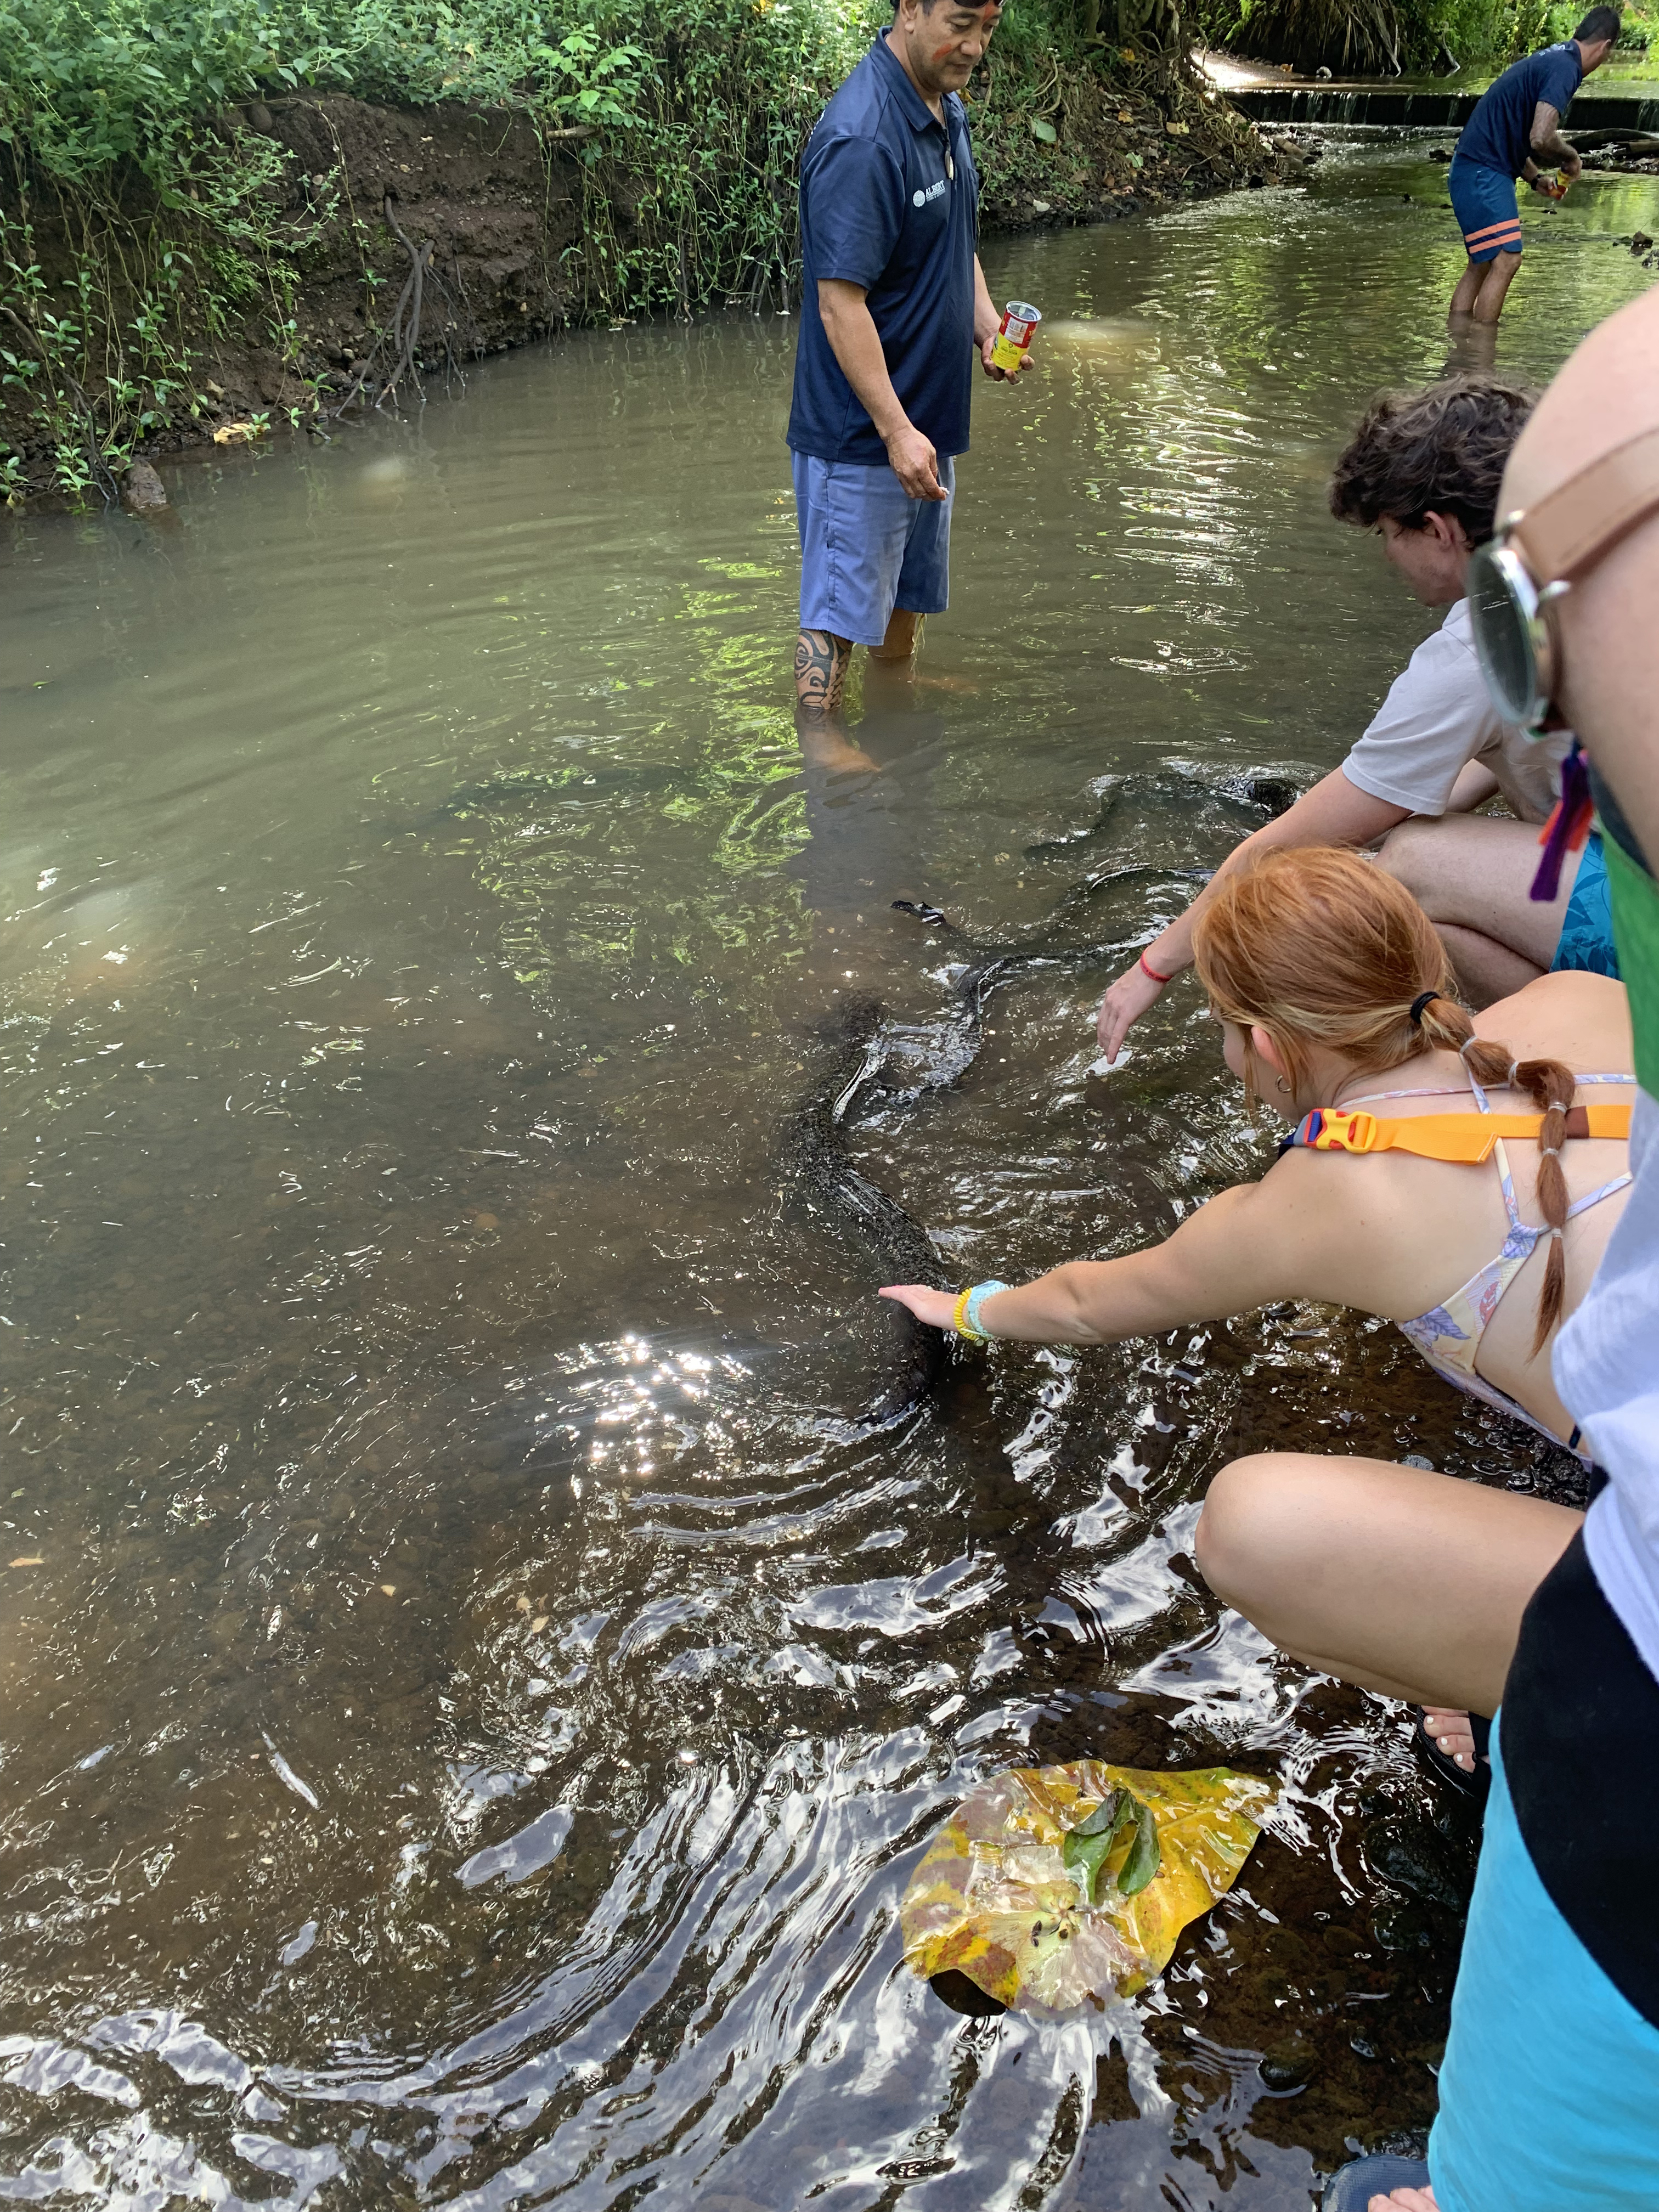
x: 992, y: 1898
x: 388, y: 1589
x: 238, y: 434
x: 33, y: 1560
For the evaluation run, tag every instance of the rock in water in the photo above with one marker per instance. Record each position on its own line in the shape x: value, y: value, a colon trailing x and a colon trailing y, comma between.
x: 142, y: 490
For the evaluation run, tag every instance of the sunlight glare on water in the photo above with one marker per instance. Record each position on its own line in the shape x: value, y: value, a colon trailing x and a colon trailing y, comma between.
x: 473, y: 1693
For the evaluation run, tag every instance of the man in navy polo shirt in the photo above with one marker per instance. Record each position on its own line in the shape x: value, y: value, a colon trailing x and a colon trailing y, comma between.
x: 1515, y: 125
x: 893, y: 306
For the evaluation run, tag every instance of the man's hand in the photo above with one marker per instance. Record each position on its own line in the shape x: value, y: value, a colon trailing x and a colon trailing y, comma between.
x: 934, y: 1308
x: 915, y: 463
x: 1123, y: 1005
x: 1571, y: 164
x: 1001, y: 375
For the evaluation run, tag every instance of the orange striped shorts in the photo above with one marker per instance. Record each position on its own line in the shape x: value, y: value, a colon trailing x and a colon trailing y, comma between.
x: 1485, y: 204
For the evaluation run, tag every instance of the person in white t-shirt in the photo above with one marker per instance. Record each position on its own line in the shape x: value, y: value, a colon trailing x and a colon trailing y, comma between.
x: 1423, y: 470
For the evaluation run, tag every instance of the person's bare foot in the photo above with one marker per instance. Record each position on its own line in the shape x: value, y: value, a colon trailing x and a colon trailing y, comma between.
x: 1406, y: 2200
x: 1449, y: 1730
x: 825, y: 744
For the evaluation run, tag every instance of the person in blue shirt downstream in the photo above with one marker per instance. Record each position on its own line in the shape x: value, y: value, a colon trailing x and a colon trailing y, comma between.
x: 893, y: 306
x: 1515, y: 125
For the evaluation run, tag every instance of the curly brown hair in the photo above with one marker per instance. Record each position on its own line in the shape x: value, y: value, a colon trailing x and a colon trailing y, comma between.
x: 1439, y: 452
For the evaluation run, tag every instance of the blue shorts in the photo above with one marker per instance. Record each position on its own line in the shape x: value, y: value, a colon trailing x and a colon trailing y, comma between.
x: 1549, y: 2093
x: 1485, y: 205
x: 866, y: 547
x: 1586, y: 939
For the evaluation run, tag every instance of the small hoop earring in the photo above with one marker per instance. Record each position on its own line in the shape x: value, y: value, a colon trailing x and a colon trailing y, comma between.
x: 1281, y: 1083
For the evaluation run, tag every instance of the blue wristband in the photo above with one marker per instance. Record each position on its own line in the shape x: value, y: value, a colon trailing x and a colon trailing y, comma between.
x: 977, y: 1298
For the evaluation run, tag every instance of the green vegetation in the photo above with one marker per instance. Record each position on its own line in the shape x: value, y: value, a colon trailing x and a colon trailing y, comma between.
x: 1365, y: 37
x: 116, y: 118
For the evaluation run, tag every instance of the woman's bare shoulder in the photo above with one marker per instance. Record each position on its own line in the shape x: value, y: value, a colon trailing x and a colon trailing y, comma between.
x: 1568, y: 1015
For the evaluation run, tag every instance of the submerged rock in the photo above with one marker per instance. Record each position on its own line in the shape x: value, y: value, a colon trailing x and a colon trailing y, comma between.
x: 1288, y: 2065
x: 142, y: 490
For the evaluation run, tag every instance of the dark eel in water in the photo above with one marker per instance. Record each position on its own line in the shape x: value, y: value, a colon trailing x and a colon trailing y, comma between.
x: 832, y: 1190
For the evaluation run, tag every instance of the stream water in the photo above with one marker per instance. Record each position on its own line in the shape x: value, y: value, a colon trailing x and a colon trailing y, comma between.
x: 469, y: 1701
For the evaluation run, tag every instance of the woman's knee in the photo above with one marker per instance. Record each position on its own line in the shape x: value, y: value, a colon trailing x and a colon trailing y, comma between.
x: 1241, y: 1528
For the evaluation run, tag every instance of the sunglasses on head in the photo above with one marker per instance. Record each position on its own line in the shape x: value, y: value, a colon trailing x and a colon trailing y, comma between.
x: 1519, y: 577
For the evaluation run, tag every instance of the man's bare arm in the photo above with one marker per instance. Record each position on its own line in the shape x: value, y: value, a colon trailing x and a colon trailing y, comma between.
x: 1334, y: 812
x: 1548, y: 145
x: 1475, y: 784
x: 856, y: 344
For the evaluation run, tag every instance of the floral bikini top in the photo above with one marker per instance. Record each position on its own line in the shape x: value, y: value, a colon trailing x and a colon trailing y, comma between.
x: 1448, y: 1335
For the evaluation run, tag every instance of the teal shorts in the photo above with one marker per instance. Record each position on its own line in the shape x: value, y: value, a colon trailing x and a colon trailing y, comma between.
x: 1586, y: 939
x: 1549, y: 2091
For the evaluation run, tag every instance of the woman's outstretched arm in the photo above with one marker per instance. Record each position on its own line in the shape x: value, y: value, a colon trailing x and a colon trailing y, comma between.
x: 1239, y: 1251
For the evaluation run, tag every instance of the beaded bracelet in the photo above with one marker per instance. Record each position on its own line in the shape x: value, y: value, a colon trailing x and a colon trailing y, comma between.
x: 964, y: 1316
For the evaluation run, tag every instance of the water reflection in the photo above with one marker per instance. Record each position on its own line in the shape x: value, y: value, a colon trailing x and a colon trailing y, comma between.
x: 471, y: 1719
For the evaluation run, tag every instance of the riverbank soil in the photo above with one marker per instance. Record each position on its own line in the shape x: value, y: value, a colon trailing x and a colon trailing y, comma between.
x: 509, y: 227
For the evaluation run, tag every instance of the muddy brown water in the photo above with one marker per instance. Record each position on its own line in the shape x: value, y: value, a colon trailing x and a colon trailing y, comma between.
x: 470, y: 1700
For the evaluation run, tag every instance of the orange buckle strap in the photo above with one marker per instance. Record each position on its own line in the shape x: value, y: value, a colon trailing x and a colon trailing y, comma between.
x: 1467, y: 1138
x: 1352, y: 1132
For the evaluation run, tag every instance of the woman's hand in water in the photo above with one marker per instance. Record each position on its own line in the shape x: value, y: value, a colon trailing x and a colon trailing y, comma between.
x: 935, y: 1308
x: 1123, y: 1005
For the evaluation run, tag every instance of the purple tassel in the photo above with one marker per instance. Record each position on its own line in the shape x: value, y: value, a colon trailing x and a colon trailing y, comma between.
x: 1567, y: 828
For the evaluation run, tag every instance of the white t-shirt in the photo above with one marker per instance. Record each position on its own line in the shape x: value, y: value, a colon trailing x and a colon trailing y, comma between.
x: 1606, y: 1365
x: 1438, y: 715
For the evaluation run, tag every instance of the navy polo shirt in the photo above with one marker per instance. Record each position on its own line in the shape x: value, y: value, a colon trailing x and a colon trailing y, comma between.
x: 1499, y: 134
x: 880, y: 208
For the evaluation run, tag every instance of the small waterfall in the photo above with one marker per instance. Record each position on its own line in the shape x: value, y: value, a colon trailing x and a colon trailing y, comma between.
x: 1418, y: 109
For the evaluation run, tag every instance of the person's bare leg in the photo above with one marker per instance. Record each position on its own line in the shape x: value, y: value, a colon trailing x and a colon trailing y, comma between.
x: 1473, y: 876
x: 1486, y: 970
x: 1473, y: 347
x: 1468, y: 289
x: 1402, y: 1581
x: 822, y: 661
x: 1500, y: 275
x: 896, y: 654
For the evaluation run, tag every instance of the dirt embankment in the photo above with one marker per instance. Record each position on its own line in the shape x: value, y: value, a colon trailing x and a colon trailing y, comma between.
x: 437, y: 234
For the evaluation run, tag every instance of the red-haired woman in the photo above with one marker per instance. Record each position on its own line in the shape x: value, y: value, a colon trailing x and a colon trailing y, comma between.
x: 1392, y: 1193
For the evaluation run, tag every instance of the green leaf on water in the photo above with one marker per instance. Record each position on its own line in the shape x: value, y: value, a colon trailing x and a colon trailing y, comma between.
x: 1092, y: 1842
x: 1103, y: 1818
x: 1095, y: 1840
x: 1043, y: 130
x: 1145, y: 1854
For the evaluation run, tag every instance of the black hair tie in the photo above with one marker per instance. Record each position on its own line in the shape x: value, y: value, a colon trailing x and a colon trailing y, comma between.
x: 1422, y: 999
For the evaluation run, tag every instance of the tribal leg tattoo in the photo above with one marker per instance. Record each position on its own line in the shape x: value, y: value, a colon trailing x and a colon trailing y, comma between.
x: 821, y: 664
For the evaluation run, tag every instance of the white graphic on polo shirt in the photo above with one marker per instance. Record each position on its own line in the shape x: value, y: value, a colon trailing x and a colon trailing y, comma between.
x: 920, y: 199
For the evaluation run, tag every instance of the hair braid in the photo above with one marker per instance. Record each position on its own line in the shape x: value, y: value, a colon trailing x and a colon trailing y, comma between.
x: 1551, y: 1086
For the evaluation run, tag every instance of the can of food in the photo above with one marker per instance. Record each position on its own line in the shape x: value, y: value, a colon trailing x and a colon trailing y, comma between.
x: 1018, y: 321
